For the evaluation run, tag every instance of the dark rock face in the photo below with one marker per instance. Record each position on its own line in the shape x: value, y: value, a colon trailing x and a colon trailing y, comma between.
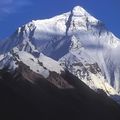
x: 54, y: 78
x: 23, y: 100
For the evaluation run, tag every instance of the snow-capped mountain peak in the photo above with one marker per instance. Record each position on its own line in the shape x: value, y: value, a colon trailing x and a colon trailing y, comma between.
x: 78, y: 41
x: 78, y: 10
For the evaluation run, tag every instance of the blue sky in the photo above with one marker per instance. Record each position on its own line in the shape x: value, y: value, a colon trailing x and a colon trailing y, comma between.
x: 14, y: 13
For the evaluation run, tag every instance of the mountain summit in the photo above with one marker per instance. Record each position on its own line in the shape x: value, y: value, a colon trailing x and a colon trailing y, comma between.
x: 77, y: 41
x: 78, y: 10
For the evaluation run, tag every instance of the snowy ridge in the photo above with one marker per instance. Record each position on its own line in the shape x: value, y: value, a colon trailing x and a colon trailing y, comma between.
x: 50, y: 64
x: 42, y: 65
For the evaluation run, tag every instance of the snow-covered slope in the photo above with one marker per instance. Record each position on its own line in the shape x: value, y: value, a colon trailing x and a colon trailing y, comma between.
x: 33, y: 69
x: 80, y: 42
x: 42, y: 65
x: 88, y: 71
